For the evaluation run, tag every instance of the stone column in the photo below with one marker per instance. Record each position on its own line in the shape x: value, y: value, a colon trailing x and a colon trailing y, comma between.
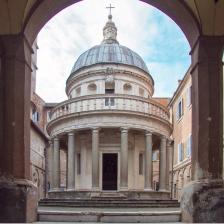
x: 95, y: 159
x: 162, y: 165
x: 207, y: 133
x: 56, y: 164
x: 124, y: 159
x: 169, y: 158
x: 148, y: 161
x: 71, y: 161
x: 15, y: 83
x: 50, y: 164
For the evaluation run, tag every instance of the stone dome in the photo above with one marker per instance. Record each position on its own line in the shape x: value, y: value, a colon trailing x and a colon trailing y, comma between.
x: 109, y: 53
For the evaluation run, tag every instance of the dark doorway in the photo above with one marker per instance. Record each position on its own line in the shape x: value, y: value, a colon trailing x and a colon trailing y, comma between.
x: 109, y: 171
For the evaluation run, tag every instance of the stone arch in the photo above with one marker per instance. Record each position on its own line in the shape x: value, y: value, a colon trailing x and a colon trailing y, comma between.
x: 176, y: 10
x: 186, y: 175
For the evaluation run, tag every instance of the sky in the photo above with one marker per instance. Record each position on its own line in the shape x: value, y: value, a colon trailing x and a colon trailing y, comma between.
x: 141, y: 27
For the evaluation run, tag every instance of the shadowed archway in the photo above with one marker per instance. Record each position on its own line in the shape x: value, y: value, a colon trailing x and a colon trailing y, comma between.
x: 207, y: 74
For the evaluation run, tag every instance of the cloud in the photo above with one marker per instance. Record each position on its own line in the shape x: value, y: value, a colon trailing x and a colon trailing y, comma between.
x: 141, y: 27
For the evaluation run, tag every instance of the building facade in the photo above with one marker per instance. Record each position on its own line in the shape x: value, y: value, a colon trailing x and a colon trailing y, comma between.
x: 111, y: 129
x: 181, y: 119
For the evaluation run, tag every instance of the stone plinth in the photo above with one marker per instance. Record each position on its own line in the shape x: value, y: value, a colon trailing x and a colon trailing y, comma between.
x: 203, y: 201
x: 154, y: 195
x: 18, y: 201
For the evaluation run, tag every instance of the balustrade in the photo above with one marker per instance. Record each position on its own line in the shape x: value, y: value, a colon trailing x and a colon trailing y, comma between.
x: 110, y: 102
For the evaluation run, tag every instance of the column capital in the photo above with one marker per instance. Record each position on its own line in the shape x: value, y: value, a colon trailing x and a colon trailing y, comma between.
x: 71, y: 133
x: 148, y: 133
x: 163, y: 138
x: 169, y: 142
x: 55, y: 138
x: 95, y: 129
x: 124, y: 129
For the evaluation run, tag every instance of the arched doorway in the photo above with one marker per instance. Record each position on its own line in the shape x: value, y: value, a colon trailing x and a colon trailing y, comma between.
x: 207, y: 105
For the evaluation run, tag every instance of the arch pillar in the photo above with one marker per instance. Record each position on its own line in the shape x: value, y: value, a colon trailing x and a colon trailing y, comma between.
x: 207, y: 134
x: 17, y: 193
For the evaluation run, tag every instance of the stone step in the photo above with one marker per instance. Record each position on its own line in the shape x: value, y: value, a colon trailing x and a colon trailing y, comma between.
x: 108, y: 215
x: 108, y: 203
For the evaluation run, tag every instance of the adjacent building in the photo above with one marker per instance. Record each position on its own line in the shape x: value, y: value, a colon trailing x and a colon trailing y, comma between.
x: 181, y: 119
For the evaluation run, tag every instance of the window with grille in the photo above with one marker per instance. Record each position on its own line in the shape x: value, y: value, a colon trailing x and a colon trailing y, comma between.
x: 180, y: 152
x: 109, y: 101
x: 140, y: 163
x: 179, y: 112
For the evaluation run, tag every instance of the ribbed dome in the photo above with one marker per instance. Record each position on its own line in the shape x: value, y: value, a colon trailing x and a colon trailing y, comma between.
x: 109, y: 53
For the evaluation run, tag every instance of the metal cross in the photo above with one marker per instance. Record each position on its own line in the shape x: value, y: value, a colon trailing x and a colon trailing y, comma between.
x: 110, y: 7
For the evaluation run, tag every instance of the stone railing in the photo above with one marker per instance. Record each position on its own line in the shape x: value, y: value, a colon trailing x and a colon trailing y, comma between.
x: 110, y: 102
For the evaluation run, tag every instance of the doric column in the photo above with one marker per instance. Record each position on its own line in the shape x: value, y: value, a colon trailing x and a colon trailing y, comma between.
x: 162, y: 165
x: 124, y: 159
x: 169, y: 158
x: 50, y: 164
x: 95, y: 159
x: 56, y: 164
x: 71, y: 161
x: 148, y: 161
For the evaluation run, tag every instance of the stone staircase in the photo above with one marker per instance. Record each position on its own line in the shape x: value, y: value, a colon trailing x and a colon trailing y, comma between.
x: 107, y: 209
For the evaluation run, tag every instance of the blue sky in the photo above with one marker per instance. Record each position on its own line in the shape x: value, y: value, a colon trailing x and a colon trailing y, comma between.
x: 141, y: 27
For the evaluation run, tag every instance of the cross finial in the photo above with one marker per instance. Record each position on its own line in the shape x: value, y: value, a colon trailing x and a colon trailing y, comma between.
x: 110, y: 7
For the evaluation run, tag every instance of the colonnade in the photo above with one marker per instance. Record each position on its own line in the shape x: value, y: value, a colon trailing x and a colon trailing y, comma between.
x: 148, y: 163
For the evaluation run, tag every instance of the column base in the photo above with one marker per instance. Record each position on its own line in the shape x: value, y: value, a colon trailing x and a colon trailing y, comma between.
x: 123, y: 189
x: 54, y: 189
x: 203, y: 201
x: 148, y: 189
x: 70, y: 189
x: 95, y: 189
x: 164, y: 190
x: 18, y: 201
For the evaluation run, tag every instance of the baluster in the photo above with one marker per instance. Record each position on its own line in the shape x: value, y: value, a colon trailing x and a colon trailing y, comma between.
x: 102, y: 104
x: 87, y: 105
x: 123, y: 104
x: 117, y: 103
x: 137, y: 106
x: 131, y: 104
x: 94, y: 104
x: 81, y: 106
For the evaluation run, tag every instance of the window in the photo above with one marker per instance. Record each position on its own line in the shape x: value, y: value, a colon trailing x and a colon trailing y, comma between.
x: 127, y: 88
x: 141, y: 92
x: 189, y: 96
x: 189, y: 145
x: 78, y: 91
x: 78, y: 163
x: 109, y: 101
x: 109, y: 86
x: 140, y: 165
x: 35, y: 116
x: 109, y: 91
x: 179, y: 112
x: 154, y: 156
x: 92, y: 88
x: 180, y: 152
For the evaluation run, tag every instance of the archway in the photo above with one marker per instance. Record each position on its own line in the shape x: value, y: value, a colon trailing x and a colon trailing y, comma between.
x: 207, y: 105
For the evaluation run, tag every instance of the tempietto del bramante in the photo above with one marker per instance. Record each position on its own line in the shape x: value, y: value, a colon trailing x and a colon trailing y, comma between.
x: 115, y: 136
